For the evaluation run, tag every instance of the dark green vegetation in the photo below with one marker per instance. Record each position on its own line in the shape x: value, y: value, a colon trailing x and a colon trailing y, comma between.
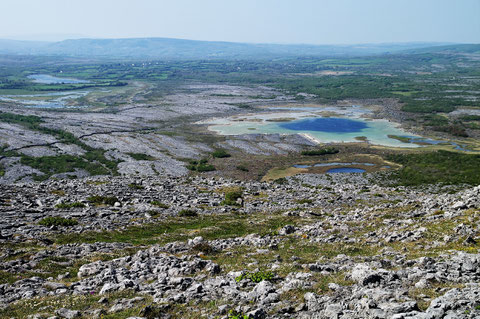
x: 200, y: 166
x: 400, y: 138
x: 187, y: 213
x: 232, y: 314
x: 57, y: 221
x: 141, y: 157
x: 103, y: 200
x: 70, y: 205
x: 159, y: 204
x: 437, y: 167
x: 135, y: 186
x: 242, y: 168
x: 455, y: 127
x: 220, y: 153
x: 50, y: 165
x: 322, y: 151
x: 232, y: 197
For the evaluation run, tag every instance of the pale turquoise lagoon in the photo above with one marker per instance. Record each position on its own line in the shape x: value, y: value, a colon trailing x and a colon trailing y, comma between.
x: 337, y: 129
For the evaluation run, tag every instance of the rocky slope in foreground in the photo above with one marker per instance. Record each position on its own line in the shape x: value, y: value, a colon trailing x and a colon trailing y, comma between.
x: 314, y: 246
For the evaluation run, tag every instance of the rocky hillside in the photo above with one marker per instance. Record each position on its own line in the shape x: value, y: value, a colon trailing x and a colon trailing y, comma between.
x: 312, y: 246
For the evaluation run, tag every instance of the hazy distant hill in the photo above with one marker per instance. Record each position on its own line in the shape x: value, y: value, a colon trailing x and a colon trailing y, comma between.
x: 165, y: 48
x: 453, y: 48
x: 21, y: 47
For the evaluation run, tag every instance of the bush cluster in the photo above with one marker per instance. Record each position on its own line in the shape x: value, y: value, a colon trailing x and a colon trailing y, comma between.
x: 106, y: 200
x: 200, y: 166
x: 70, y: 205
x: 231, y: 197
x: 322, y: 151
x: 187, y: 213
x: 57, y: 221
x: 159, y: 204
x: 220, y: 153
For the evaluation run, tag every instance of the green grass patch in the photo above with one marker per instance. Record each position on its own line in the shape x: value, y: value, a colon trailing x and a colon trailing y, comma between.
x: 257, y: 276
x: 402, y: 139
x: 30, y: 306
x: 436, y: 167
x: 172, y: 229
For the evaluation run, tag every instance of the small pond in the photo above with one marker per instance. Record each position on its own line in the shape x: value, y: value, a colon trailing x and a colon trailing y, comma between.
x: 331, y: 164
x: 49, y: 79
x: 346, y: 170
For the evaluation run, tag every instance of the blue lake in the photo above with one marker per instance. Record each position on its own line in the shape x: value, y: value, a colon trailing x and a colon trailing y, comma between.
x: 331, y: 164
x: 345, y: 170
x: 326, y: 124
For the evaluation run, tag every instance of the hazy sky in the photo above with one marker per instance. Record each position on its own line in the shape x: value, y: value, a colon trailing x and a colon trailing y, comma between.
x: 271, y: 21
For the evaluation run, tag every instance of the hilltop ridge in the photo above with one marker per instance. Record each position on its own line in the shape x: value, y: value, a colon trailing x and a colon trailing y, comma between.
x: 170, y: 48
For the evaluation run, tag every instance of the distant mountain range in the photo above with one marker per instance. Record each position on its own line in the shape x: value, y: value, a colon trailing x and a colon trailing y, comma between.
x: 166, y: 48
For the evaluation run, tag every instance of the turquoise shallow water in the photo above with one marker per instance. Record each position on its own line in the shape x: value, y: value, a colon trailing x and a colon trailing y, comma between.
x: 323, y: 131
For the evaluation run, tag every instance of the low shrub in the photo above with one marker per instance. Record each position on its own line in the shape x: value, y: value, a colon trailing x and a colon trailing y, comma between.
x: 204, y: 248
x: 135, y: 186
x: 205, y: 168
x: 141, y: 157
x: 220, y: 153
x: 256, y: 277
x: 242, y: 168
x: 57, y: 221
x: 323, y: 151
x: 445, y: 167
x: 200, y: 166
x: 187, y: 213
x: 231, y: 197
x: 280, y: 181
x: 304, y: 201
x: 99, y: 200
x: 159, y: 204
x: 70, y: 205
x: 232, y: 314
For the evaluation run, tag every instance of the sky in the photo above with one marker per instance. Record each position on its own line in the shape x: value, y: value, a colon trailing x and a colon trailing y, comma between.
x: 253, y: 21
